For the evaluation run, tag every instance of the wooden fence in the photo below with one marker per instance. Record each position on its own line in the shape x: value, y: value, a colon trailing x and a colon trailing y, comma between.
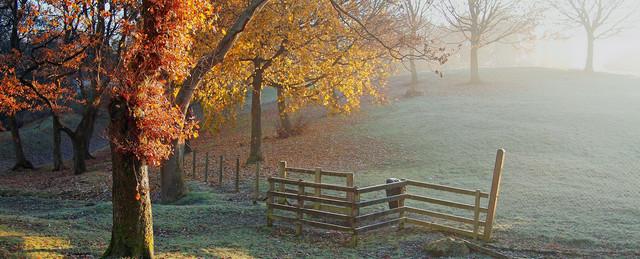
x: 318, y: 176
x: 342, y: 213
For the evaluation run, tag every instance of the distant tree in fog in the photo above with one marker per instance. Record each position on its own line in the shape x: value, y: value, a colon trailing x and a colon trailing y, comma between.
x: 600, y: 19
x: 415, y: 17
x: 483, y: 22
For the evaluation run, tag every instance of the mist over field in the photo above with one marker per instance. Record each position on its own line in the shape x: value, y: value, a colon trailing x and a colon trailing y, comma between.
x: 320, y: 129
x: 554, y: 44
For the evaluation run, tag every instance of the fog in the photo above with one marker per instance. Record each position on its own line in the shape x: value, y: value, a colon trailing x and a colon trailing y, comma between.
x: 555, y: 45
x: 617, y: 54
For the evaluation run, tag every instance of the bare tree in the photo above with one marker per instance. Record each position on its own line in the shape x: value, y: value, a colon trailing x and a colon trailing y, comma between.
x: 599, y: 18
x: 402, y: 27
x: 415, y: 17
x: 483, y: 22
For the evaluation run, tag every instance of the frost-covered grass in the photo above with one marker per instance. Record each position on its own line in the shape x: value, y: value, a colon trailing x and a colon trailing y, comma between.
x: 571, y: 176
x: 204, y: 224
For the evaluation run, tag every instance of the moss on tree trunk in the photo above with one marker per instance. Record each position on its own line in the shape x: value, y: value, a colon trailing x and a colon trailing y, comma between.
x: 132, y: 231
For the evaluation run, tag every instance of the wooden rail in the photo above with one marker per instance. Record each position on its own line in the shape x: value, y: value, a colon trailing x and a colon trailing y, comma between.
x: 446, y: 188
x: 348, y: 212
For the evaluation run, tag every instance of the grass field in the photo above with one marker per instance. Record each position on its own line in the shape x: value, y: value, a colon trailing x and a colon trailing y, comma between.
x: 570, y: 180
x: 571, y: 173
x: 205, y: 224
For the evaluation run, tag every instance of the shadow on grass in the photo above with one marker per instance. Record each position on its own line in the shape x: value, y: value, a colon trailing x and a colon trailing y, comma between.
x: 202, y: 224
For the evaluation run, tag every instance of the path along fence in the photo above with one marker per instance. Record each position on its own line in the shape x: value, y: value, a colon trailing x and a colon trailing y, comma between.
x: 342, y: 207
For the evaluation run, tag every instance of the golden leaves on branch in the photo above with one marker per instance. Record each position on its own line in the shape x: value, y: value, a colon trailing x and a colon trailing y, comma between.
x: 301, y: 46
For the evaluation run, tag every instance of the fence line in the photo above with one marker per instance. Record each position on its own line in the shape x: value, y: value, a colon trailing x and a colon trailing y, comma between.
x: 344, y: 213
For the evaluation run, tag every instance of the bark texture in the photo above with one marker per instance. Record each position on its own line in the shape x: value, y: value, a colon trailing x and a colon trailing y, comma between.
x: 132, y: 231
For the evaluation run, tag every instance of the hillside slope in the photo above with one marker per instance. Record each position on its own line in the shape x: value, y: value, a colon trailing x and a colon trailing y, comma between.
x: 570, y: 177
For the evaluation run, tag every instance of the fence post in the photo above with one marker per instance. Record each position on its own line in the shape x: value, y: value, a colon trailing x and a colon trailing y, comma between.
x: 350, y: 184
x: 355, y: 211
x: 237, y: 174
x: 221, y: 168
x: 257, y: 194
x: 476, y: 216
x: 282, y: 173
x: 493, y: 196
x: 403, y: 191
x: 300, y: 204
x: 269, y: 202
x: 206, y: 168
x: 318, y: 191
x: 193, y: 165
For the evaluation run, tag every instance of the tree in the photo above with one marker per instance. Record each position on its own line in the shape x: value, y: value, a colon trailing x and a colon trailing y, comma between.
x: 415, y: 16
x: 483, y: 22
x: 11, y: 100
x: 95, y: 25
x: 102, y: 27
x: 308, y: 53
x: 172, y: 181
x: 43, y: 53
x: 144, y: 121
x: 600, y: 19
x: 210, y: 58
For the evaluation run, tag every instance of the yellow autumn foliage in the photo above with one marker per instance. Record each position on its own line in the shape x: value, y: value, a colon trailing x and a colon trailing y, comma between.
x: 303, y: 46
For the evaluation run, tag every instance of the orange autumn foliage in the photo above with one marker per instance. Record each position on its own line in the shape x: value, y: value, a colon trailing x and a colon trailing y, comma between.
x: 33, y: 72
x: 157, y: 56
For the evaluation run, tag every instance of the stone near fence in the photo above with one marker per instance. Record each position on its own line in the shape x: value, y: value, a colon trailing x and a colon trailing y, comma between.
x: 446, y: 247
x: 392, y: 192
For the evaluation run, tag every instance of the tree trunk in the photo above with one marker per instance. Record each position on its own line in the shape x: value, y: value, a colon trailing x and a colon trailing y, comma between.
x: 285, y: 129
x: 57, y: 138
x: 172, y: 176
x: 413, y: 85
x: 256, y: 119
x: 80, y: 140
x: 79, y: 154
x: 414, y: 73
x: 475, y: 75
x: 87, y: 126
x: 132, y: 231
x: 589, y: 64
x: 21, y: 159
